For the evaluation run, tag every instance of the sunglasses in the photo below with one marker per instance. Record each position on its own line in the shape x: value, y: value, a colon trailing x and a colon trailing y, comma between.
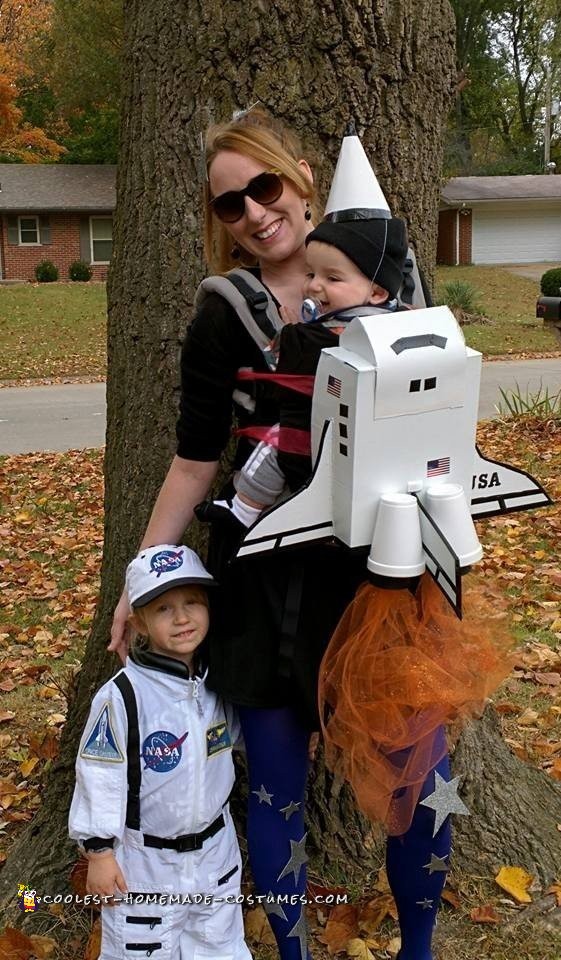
x: 265, y: 188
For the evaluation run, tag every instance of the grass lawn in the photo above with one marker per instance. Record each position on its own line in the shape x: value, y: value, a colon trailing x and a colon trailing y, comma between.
x: 52, y: 330
x: 509, y: 303
x: 58, y: 330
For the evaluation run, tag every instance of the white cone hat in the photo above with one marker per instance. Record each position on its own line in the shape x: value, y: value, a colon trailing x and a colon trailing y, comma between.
x: 355, y: 192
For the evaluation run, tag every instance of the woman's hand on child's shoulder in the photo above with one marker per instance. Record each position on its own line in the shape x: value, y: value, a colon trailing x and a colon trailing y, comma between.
x: 121, y: 630
x: 105, y: 877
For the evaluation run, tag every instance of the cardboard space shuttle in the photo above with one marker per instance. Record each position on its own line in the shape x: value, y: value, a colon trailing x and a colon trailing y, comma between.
x: 396, y: 472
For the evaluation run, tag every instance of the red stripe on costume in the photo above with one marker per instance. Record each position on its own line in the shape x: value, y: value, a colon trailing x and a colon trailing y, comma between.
x: 292, y: 381
x: 288, y: 439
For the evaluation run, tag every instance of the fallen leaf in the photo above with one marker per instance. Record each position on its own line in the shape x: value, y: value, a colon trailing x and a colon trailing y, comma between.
x: 258, y: 928
x: 555, y: 888
x: 485, y: 914
x: 451, y: 897
x: 6, y: 715
x: 93, y: 947
x: 15, y: 945
x: 358, y: 949
x: 43, y: 946
x: 341, y: 927
x: 515, y: 880
x: 28, y: 766
x: 375, y: 911
x: 393, y: 946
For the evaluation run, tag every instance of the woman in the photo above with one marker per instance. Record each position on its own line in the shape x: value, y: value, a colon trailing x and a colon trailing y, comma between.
x: 275, y: 614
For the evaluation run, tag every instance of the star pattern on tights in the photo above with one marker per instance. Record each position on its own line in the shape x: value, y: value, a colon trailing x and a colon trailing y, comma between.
x: 299, y: 930
x: 291, y: 808
x: 297, y: 859
x: 273, y: 908
x: 436, y: 865
x: 425, y: 904
x: 263, y: 796
x: 444, y: 800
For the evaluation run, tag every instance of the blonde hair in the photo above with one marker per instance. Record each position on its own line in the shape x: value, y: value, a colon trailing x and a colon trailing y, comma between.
x: 254, y: 134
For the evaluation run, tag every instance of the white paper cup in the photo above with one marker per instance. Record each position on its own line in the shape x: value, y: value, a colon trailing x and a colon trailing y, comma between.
x: 449, y: 509
x: 397, y: 549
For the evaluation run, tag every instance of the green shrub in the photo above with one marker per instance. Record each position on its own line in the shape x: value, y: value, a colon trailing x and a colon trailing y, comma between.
x: 79, y: 270
x: 460, y: 295
x: 550, y: 283
x: 46, y: 272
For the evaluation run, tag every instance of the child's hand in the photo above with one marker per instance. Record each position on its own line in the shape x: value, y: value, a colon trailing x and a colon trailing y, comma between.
x: 104, y: 875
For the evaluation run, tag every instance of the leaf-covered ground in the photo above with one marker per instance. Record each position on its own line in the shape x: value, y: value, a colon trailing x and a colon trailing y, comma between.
x: 51, y: 538
x: 52, y: 331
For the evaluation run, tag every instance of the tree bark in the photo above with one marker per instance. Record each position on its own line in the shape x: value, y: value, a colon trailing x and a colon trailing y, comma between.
x: 391, y: 67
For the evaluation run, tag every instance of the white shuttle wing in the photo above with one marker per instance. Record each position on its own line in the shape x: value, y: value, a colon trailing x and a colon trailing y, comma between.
x: 498, y: 488
x: 306, y: 516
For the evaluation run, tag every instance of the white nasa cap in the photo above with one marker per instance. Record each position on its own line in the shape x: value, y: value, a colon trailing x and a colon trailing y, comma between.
x: 355, y: 192
x: 157, y: 569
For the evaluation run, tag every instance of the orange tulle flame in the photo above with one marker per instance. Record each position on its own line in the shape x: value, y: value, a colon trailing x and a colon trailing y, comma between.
x: 397, y: 669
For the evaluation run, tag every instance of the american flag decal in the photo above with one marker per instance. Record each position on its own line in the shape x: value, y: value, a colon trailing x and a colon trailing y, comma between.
x: 435, y: 468
x: 334, y: 386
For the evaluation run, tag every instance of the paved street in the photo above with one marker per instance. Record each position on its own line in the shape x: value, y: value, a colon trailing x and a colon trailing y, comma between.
x: 72, y: 416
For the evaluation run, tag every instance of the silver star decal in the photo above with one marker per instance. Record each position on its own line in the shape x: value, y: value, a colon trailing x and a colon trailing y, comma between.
x: 297, y: 859
x: 273, y: 908
x: 290, y: 809
x: 299, y: 930
x: 263, y: 796
x: 436, y: 865
x: 425, y: 904
x: 444, y: 800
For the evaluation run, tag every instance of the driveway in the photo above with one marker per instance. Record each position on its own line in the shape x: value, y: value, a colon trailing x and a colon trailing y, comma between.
x: 72, y: 416
x: 533, y: 271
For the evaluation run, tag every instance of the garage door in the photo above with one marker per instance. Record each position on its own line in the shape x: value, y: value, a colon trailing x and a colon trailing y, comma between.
x: 517, y: 233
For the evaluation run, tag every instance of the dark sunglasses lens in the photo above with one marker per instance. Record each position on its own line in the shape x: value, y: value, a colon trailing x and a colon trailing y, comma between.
x: 230, y: 206
x: 266, y: 188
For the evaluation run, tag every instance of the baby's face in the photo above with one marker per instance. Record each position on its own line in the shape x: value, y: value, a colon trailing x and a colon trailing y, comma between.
x: 333, y: 279
x: 175, y: 622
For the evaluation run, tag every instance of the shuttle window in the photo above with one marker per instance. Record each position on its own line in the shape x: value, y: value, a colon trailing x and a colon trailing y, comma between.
x: 430, y: 383
x: 343, y: 430
x: 414, y: 386
x: 343, y: 410
x: 343, y: 449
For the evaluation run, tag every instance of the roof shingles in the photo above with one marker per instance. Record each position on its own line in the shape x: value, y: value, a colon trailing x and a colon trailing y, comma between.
x: 46, y: 187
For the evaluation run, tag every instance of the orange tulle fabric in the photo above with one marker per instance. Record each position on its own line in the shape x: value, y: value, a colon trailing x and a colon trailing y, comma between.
x: 397, y: 669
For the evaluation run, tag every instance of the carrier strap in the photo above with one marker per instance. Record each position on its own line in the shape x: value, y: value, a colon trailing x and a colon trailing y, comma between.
x: 133, y: 750
x: 253, y: 304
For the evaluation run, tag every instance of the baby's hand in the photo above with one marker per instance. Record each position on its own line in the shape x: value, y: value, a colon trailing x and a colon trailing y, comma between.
x: 104, y: 875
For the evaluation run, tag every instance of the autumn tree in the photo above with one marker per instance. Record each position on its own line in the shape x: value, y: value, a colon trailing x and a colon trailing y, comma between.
x: 21, y: 22
x: 391, y: 67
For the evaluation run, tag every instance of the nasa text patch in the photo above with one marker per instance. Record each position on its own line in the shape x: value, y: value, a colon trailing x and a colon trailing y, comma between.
x: 161, y: 751
x: 217, y: 739
x: 101, y: 743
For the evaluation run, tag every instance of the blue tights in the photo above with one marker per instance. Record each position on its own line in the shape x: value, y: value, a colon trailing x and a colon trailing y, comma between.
x: 277, y: 754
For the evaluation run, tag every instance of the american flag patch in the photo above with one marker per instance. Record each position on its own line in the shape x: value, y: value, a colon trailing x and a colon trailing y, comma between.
x: 334, y: 386
x: 435, y: 468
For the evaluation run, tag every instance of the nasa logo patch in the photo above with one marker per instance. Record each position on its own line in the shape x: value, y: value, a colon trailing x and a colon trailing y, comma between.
x: 217, y: 739
x: 165, y: 561
x: 101, y: 743
x: 161, y: 751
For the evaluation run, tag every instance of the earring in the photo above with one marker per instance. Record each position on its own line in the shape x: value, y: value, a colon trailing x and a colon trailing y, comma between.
x: 235, y: 252
x: 308, y: 213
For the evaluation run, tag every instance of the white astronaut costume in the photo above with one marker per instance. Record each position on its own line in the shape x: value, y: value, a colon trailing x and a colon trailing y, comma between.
x: 179, y: 839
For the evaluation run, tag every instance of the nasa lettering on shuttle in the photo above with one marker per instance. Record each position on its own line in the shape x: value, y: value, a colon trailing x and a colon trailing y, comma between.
x: 396, y: 469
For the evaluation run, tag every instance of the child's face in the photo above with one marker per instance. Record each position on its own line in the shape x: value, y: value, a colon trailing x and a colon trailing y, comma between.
x: 176, y: 622
x: 336, y: 281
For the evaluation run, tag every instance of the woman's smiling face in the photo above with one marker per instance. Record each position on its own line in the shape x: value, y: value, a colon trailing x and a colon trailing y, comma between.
x: 273, y: 232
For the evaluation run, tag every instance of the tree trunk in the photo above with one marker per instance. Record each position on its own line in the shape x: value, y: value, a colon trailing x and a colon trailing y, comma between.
x: 388, y: 65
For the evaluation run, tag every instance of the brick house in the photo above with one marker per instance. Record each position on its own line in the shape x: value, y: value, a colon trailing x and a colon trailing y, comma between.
x: 58, y: 212
x: 500, y: 220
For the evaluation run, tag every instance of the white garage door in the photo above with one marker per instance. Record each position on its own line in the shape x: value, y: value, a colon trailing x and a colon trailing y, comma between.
x: 516, y: 233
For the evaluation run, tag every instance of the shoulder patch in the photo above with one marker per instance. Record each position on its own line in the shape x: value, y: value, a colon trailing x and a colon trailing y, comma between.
x: 101, y: 743
x: 218, y: 739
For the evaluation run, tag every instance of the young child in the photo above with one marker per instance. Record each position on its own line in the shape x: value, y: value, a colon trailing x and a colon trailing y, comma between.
x: 153, y: 777
x: 350, y: 264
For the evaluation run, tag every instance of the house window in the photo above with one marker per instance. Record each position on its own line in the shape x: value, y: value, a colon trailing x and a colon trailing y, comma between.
x: 101, y: 235
x: 28, y: 231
